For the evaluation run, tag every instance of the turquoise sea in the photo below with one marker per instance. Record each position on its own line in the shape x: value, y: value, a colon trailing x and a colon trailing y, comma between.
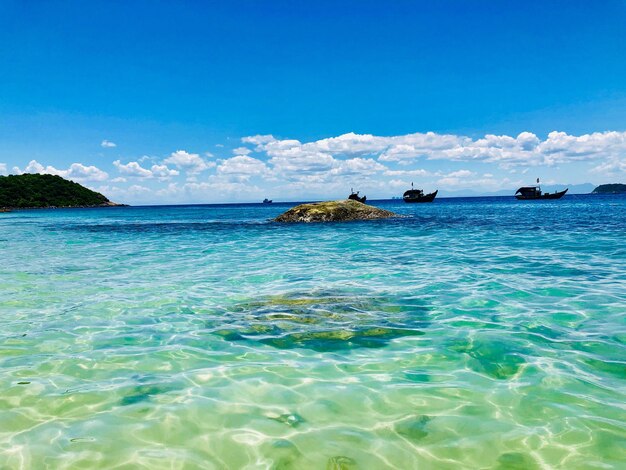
x: 483, y: 333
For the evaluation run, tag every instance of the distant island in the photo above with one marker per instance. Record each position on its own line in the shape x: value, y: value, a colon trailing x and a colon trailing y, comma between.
x: 616, y: 188
x: 30, y: 191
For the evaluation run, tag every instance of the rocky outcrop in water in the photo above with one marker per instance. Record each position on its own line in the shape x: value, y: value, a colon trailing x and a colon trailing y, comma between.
x: 333, y: 211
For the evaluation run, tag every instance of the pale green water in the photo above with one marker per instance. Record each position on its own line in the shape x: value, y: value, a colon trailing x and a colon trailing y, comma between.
x: 483, y: 333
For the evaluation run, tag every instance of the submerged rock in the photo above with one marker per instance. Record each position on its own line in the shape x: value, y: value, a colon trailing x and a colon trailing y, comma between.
x: 292, y: 420
x: 322, y: 320
x: 516, y: 461
x: 340, y: 462
x: 333, y: 211
x: 501, y: 360
x: 413, y: 428
x: 285, y: 455
x: 144, y: 392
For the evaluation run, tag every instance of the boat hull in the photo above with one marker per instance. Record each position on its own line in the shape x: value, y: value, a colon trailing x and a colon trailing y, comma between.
x: 425, y: 198
x: 354, y: 197
x: 557, y: 195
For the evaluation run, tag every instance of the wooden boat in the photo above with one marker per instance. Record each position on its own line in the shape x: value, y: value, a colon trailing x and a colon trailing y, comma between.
x: 355, y: 196
x: 528, y: 193
x: 417, y: 195
x: 267, y: 201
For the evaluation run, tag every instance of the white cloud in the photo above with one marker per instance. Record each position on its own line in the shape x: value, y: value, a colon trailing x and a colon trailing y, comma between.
x: 351, y: 144
x: 399, y: 184
x: 35, y: 167
x: 258, y: 139
x: 292, y: 160
x: 162, y: 171
x: 460, y: 174
x: 137, y: 189
x: 242, y: 151
x: 613, y: 167
x: 524, y: 150
x: 134, y: 194
x: 242, y: 166
x: 134, y: 169
x: 76, y: 171
x: 416, y: 172
x: 206, y: 191
x: 358, y: 166
x: 375, y: 165
x: 465, y: 179
x: 3, y: 168
x: 107, y: 144
x: 190, y: 162
x: 327, y: 164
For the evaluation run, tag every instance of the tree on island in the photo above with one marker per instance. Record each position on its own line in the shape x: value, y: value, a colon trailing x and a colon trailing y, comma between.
x: 615, y: 188
x: 40, y: 191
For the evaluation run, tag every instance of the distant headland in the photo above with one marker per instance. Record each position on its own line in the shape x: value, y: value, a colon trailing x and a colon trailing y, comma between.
x: 35, y: 191
x: 616, y: 188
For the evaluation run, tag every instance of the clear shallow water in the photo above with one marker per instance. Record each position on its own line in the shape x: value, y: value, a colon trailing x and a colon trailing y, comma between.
x: 477, y: 333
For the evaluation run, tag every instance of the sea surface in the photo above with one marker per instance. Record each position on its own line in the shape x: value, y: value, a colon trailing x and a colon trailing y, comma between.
x: 482, y: 333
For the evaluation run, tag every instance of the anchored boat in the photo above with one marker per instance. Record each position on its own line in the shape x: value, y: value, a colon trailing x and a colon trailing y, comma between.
x: 417, y: 195
x: 355, y: 196
x: 527, y: 193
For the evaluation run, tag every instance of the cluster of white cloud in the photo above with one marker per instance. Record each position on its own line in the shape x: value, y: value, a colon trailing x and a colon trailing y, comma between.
x: 108, y: 144
x: 192, y: 163
x: 134, y: 169
x: 243, y: 167
x: 76, y: 171
x: 524, y: 150
x: 242, y: 151
x: 325, y: 166
x: 613, y: 167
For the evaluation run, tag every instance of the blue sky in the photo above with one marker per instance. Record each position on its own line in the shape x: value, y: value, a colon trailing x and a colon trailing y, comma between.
x: 510, y: 90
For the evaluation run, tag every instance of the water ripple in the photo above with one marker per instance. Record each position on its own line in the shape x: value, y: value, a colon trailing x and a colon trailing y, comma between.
x: 480, y: 333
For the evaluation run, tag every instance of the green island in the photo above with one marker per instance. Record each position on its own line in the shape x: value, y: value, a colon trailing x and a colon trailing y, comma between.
x: 30, y: 191
x: 615, y: 188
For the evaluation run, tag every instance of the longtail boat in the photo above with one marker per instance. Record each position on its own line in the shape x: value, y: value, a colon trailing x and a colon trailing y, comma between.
x: 528, y: 193
x: 417, y: 195
x: 355, y: 196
